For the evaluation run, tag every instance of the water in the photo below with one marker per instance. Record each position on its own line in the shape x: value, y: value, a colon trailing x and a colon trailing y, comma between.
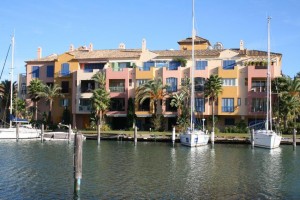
x: 120, y: 170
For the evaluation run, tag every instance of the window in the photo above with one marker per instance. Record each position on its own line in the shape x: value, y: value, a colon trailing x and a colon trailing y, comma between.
x: 65, y: 71
x: 200, y: 104
x: 259, y: 105
x: 35, y: 72
x: 85, y: 105
x: 173, y: 65
x: 199, y: 84
x: 172, y: 84
x: 161, y: 64
x: 201, y: 65
x: 23, y: 88
x: 227, y: 105
x: 50, y: 71
x: 117, y: 104
x: 65, y: 86
x: 228, y: 64
x: 259, y: 86
x: 170, y: 108
x: 117, y: 85
x: 239, y: 101
x: 229, y: 122
x: 89, y: 67
x: 229, y: 82
x: 64, y: 102
x: 141, y: 81
x: 130, y: 82
x: 147, y: 65
x: 87, y: 85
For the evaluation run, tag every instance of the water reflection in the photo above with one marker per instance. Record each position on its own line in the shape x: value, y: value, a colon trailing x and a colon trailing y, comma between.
x: 119, y: 170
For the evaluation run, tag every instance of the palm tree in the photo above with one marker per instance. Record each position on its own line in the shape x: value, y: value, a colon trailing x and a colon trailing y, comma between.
x: 49, y: 93
x: 36, y: 86
x: 5, y: 96
x: 212, y: 89
x: 153, y: 90
x: 100, y: 99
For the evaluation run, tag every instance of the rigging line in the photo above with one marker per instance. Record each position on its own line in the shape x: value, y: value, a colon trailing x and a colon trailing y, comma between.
x: 5, y: 61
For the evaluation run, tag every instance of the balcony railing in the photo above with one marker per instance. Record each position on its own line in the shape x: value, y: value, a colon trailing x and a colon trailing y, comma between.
x: 117, y: 89
x: 84, y: 108
x: 86, y: 90
x: 227, y: 108
x: 259, y: 89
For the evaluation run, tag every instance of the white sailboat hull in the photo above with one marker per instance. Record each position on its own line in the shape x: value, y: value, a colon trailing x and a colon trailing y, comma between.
x: 194, y: 139
x: 24, y: 133
x: 266, y: 139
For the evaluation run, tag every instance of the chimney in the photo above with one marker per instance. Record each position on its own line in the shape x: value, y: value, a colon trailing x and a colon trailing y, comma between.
x: 91, y: 47
x: 39, y: 52
x: 144, y: 45
x: 121, y: 46
x: 242, y: 45
x: 71, y: 47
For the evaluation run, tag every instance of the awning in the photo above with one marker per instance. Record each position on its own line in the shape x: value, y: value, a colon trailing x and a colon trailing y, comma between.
x: 144, y: 115
x: 170, y: 115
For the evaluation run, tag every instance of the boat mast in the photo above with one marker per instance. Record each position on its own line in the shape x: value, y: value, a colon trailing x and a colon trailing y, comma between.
x: 269, y: 119
x: 193, y: 66
x: 11, y: 80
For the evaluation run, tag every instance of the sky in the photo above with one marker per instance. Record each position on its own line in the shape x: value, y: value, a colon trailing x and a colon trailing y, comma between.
x: 54, y: 25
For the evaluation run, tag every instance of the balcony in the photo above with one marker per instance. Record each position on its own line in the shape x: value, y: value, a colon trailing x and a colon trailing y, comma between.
x: 87, y: 86
x: 66, y: 90
x: 117, y: 89
x: 227, y: 108
x: 63, y: 73
x: 259, y: 89
x: 84, y: 108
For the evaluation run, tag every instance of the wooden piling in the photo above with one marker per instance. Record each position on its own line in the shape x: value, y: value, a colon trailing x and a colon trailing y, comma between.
x: 98, y: 133
x: 135, y: 135
x: 252, y: 138
x: 173, y: 135
x: 42, y: 133
x: 212, y: 138
x: 17, y: 132
x: 69, y: 134
x: 77, y: 162
x: 294, y: 139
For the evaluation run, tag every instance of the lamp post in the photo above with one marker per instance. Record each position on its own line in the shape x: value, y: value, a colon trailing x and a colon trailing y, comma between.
x: 203, y: 120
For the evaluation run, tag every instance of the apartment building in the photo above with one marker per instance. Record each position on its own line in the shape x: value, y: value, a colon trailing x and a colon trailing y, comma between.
x: 243, y: 73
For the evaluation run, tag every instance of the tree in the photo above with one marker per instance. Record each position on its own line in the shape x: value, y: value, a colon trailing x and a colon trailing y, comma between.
x: 36, y: 86
x: 155, y: 91
x: 5, y: 97
x: 49, y: 93
x: 19, y: 107
x: 100, y: 99
x: 130, y: 113
x: 212, y: 89
x: 181, y: 101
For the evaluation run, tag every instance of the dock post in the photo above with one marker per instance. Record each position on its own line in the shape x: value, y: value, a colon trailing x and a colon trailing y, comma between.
x: 252, y: 138
x: 69, y: 134
x: 98, y: 133
x: 17, y: 132
x: 294, y: 139
x: 173, y: 135
x: 77, y: 163
x: 42, y: 133
x: 135, y: 135
x: 212, y: 139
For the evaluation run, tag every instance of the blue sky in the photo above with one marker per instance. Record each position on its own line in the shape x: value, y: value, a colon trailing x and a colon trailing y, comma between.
x: 54, y: 25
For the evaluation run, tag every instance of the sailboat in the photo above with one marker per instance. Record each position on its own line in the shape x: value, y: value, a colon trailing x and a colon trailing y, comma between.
x: 192, y: 137
x: 25, y: 130
x: 268, y: 138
